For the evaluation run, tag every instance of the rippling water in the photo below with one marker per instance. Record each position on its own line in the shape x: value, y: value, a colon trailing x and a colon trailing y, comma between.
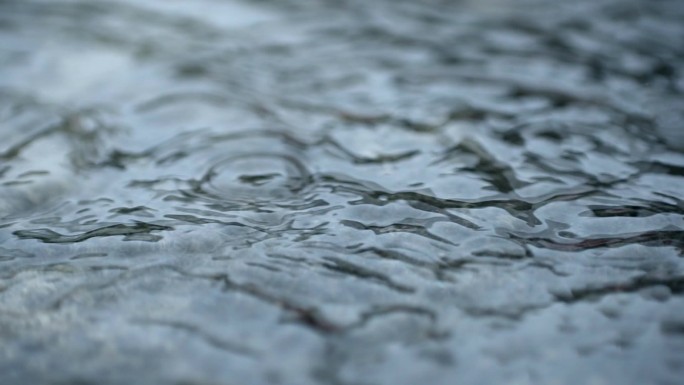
x: 341, y: 192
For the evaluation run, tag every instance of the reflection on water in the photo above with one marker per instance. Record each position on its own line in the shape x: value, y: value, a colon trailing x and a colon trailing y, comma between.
x: 341, y: 192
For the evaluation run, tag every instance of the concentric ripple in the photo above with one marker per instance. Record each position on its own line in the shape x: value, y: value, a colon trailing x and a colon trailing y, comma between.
x: 255, y: 176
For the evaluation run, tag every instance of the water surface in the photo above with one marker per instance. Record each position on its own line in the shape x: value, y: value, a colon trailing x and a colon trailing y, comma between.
x: 341, y: 192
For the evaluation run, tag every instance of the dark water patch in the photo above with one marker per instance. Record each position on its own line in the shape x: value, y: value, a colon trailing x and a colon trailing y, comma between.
x: 138, y: 231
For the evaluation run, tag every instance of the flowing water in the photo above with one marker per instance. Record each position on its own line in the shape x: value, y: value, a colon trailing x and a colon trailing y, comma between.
x: 341, y: 192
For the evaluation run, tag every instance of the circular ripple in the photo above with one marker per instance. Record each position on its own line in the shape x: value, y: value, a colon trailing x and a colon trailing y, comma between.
x: 255, y: 176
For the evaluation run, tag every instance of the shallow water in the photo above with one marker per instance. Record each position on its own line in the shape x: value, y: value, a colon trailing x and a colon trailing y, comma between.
x: 341, y: 192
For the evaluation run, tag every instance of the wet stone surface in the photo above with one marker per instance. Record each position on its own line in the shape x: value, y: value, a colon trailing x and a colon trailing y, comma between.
x: 341, y: 192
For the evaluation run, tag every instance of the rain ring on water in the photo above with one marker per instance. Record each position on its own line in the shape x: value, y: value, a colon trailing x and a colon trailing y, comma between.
x: 259, y: 176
